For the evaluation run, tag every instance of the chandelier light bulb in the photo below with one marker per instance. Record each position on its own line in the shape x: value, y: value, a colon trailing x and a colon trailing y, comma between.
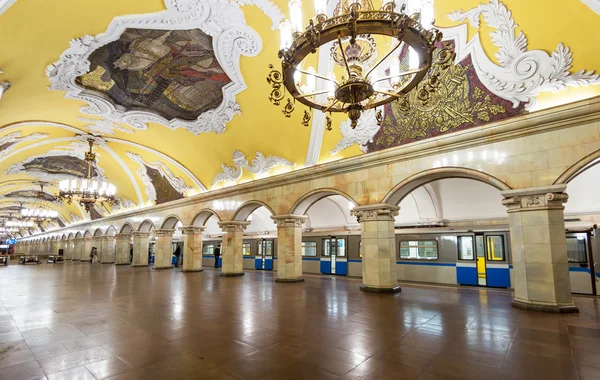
x: 413, y: 59
x: 321, y: 7
x: 311, y: 80
x: 296, y: 15
x: 285, y: 32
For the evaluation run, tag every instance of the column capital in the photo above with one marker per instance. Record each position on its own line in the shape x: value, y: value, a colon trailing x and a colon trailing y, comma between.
x: 535, y: 198
x: 107, y: 237
x: 141, y: 233
x: 123, y: 236
x: 289, y: 220
x: 164, y: 232
x: 377, y: 212
x: 191, y: 230
x: 233, y: 225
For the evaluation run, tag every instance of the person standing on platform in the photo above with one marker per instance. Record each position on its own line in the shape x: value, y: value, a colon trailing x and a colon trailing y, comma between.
x: 217, y: 253
x: 177, y: 255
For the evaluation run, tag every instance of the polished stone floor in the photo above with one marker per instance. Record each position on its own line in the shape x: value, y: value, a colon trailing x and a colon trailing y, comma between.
x: 83, y: 321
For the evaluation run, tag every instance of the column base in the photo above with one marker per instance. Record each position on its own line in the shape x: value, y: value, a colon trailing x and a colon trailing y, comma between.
x: 122, y: 263
x: 140, y: 265
x: 289, y: 280
x: 192, y: 270
x: 372, y: 289
x: 107, y: 262
x: 160, y: 268
x: 232, y: 274
x: 544, y: 308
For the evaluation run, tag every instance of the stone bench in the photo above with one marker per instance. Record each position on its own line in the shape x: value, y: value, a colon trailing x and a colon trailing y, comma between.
x: 56, y: 259
x: 4, y: 260
x: 29, y: 259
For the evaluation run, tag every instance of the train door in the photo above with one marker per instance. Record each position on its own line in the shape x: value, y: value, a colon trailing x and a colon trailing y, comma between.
x: 466, y: 266
x: 264, y: 259
x: 480, y: 252
x: 334, y: 259
x: 581, y: 267
x: 497, y: 272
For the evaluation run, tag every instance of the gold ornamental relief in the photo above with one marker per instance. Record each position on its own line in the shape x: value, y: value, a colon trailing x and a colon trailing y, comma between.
x: 94, y: 80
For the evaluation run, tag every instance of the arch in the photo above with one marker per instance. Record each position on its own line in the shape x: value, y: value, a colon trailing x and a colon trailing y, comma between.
x: 202, y: 216
x: 579, y: 167
x: 111, y: 231
x: 401, y: 190
x: 170, y: 222
x: 146, y: 226
x: 87, y: 233
x: 63, y: 237
x: 78, y: 235
x: 307, y: 200
x: 98, y: 232
x: 244, y: 211
x: 126, y: 228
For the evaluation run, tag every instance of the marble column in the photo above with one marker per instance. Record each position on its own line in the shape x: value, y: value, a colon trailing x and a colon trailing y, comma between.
x: 539, y: 249
x: 232, y: 247
x: 379, y: 247
x: 141, y: 244
x: 289, y: 247
x: 123, y: 242
x: 163, y: 249
x: 77, y: 255
x: 192, y: 248
x: 86, y: 249
x: 108, y: 250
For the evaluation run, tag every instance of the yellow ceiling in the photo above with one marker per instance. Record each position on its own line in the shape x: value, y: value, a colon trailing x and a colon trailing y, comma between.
x: 34, y: 33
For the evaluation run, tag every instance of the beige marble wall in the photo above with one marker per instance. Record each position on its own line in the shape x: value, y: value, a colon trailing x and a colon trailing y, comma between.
x: 163, y: 249
x: 289, y: 247
x: 122, y: 248
x: 141, y: 241
x: 108, y: 250
x: 379, y: 272
x: 231, y: 248
x: 539, y: 248
x: 192, y: 248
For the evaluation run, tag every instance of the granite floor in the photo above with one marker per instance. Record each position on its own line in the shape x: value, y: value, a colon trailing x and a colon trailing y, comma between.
x: 83, y: 321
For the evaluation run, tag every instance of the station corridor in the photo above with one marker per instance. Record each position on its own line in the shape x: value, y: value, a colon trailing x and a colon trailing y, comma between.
x: 83, y: 321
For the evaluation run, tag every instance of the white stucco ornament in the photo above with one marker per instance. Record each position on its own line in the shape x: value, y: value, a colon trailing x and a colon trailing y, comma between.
x: 520, y: 76
x: 231, y: 38
x: 260, y: 165
x: 11, y: 140
x: 593, y: 4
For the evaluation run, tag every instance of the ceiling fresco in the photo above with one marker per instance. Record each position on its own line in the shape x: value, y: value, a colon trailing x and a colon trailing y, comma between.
x: 174, y: 73
x: 175, y: 91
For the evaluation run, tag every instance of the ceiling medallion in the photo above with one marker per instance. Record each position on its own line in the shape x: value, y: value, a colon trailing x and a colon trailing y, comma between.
x: 350, y: 36
x: 88, y: 191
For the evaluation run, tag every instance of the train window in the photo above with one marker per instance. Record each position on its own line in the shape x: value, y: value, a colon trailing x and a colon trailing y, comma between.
x: 341, y: 247
x: 266, y: 246
x: 465, y: 247
x: 576, y: 249
x: 309, y: 248
x: 419, y: 250
x: 246, y: 249
x: 495, y: 248
x: 208, y: 249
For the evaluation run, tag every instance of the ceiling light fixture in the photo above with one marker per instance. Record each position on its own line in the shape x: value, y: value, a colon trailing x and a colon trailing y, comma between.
x: 41, y: 211
x: 363, y: 82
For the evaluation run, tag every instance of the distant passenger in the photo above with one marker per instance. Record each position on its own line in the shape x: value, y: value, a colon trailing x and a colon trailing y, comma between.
x: 217, y: 253
x: 131, y: 255
x: 177, y: 255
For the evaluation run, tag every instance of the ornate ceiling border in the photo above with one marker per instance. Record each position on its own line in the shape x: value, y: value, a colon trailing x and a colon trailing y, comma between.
x: 223, y: 21
x: 15, y: 138
x: 260, y: 165
x: 593, y: 4
x: 519, y: 78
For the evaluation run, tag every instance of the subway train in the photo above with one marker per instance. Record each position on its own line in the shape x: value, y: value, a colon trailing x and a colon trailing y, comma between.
x: 431, y: 255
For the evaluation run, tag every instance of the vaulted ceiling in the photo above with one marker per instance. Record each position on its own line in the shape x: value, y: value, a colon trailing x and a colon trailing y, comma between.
x: 177, y: 94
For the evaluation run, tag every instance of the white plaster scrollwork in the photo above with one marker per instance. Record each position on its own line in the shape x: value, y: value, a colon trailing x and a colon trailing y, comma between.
x: 14, y: 138
x: 268, y: 7
x: 223, y: 21
x: 102, y: 126
x: 74, y: 218
x: 593, y: 4
x: 363, y: 133
x: 260, y: 165
x: 178, y: 183
x: 522, y: 74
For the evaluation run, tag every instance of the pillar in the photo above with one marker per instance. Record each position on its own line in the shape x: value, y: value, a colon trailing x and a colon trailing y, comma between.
x: 192, y: 248
x: 86, y: 249
x: 163, y: 249
x: 141, y: 243
x: 231, y: 249
x: 108, y: 250
x: 77, y: 254
x: 539, y: 249
x: 379, y: 247
x: 289, y: 247
x: 123, y: 245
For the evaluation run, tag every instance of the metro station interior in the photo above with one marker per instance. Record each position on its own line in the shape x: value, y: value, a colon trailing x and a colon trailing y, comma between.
x: 302, y: 189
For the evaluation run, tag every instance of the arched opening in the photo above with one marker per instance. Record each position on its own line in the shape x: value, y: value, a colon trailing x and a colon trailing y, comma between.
x: 111, y: 231
x: 127, y: 228
x: 212, y: 235
x: 260, y: 245
x: 78, y: 235
x: 173, y: 222
x: 170, y: 222
x: 98, y: 232
x: 146, y: 226
x: 87, y: 233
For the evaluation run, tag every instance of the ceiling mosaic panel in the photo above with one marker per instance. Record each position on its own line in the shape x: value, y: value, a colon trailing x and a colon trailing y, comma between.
x: 59, y: 165
x: 174, y: 73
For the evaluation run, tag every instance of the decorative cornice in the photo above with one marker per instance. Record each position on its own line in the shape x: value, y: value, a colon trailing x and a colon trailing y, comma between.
x: 141, y: 233
x: 535, y: 198
x: 164, y: 232
x: 378, y: 212
x: 223, y: 21
x: 192, y: 230
x: 260, y: 165
x: 122, y: 236
x: 289, y: 220
x: 233, y: 225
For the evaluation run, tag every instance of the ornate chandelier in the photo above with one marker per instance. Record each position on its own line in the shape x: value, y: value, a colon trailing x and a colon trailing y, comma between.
x: 41, y: 211
x: 88, y: 191
x: 19, y: 223
x: 357, y: 80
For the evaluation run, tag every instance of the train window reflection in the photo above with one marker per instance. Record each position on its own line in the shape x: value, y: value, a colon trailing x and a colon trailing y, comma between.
x: 495, y: 248
x: 309, y: 248
x: 419, y: 250
x: 246, y: 249
x: 208, y: 249
x: 341, y: 247
x: 576, y: 249
x: 265, y: 247
x: 465, y: 248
